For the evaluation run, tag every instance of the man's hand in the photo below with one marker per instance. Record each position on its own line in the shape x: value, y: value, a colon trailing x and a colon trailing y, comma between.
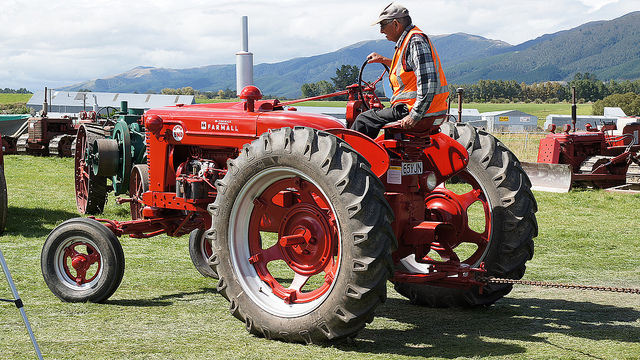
x: 407, y: 122
x: 377, y: 58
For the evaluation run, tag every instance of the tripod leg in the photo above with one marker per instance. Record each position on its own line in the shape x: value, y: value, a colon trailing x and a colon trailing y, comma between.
x: 19, y: 304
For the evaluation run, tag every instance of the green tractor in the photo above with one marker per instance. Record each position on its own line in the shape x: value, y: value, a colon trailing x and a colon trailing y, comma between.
x: 113, y: 148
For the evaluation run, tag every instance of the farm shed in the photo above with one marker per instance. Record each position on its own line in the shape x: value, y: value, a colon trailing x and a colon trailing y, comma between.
x: 581, y: 120
x: 510, y: 120
x: 71, y: 102
x: 470, y: 116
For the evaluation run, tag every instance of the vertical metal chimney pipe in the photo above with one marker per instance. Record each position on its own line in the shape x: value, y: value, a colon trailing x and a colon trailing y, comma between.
x: 45, y: 106
x: 244, y: 60
x: 245, y: 34
x: 574, y: 108
x: 460, y: 91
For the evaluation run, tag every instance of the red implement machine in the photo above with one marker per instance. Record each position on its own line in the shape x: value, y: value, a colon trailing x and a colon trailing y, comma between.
x: 303, y: 220
x: 599, y: 158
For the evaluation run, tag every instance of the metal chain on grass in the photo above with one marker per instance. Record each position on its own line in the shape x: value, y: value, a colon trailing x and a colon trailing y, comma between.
x: 494, y: 280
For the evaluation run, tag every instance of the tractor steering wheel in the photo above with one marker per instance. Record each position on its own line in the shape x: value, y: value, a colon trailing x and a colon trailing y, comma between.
x: 107, y: 110
x: 369, y: 87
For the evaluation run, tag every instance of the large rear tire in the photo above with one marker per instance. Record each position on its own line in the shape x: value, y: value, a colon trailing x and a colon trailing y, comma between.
x: 501, y: 234
x: 303, y: 240
x: 91, y: 190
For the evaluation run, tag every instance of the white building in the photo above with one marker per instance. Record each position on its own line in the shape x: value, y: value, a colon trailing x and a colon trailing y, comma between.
x: 510, y: 120
x: 72, y: 102
x: 611, y: 115
x: 469, y: 116
x: 581, y: 121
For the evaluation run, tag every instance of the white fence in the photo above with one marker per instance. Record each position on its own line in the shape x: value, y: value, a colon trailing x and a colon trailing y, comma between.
x: 523, y: 144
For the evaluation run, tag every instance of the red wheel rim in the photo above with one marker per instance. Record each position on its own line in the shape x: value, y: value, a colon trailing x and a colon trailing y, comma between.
x: 81, y: 171
x: 298, y: 213
x: 81, y: 266
x: 136, y: 189
x: 450, y: 206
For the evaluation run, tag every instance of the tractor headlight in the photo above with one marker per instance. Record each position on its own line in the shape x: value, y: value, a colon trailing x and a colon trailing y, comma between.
x: 428, y: 180
x: 432, y: 181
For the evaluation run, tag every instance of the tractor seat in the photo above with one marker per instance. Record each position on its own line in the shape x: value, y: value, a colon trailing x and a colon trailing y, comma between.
x: 423, y: 129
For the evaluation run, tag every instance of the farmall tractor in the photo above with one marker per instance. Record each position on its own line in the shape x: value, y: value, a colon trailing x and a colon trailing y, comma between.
x: 306, y: 220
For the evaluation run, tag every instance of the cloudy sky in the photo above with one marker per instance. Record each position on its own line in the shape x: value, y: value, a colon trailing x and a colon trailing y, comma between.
x: 62, y: 42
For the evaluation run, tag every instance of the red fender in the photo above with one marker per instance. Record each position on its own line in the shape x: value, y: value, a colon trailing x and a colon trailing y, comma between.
x: 374, y: 153
x: 445, y: 157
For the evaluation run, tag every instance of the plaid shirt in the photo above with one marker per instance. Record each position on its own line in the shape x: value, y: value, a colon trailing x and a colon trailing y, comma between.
x: 419, y: 59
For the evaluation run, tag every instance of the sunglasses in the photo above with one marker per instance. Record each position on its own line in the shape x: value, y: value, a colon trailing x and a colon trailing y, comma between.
x: 384, y: 23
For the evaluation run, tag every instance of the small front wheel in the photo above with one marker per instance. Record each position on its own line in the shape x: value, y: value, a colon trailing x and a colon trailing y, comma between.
x: 138, y: 185
x: 200, y: 251
x: 82, y: 261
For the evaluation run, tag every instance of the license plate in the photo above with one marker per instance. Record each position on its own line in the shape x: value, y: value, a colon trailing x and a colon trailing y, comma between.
x: 412, y: 168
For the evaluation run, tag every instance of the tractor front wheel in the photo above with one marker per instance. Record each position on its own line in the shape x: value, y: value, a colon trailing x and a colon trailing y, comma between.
x: 201, y: 251
x: 302, y: 236
x: 82, y: 261
x: 138, y: 185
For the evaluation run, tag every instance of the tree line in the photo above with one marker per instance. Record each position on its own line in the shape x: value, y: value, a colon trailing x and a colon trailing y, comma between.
x: 628, y: 102
x: 345, y: 76
x: 220, y: 94
x: 588, y: 89
x: 12, y: 91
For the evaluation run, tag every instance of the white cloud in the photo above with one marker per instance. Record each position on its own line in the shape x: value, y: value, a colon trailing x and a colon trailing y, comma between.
x: 55, y: 43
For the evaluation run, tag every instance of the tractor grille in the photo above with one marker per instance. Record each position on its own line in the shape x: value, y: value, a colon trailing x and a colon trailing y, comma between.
x: 35, y: 130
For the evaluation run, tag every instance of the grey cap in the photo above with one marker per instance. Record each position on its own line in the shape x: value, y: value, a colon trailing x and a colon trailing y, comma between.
x: 392, y: 11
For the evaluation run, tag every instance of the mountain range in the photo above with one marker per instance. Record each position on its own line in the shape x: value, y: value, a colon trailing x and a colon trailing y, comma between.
x: 608, y: 49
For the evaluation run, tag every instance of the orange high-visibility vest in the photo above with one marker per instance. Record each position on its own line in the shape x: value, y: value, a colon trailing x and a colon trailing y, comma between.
x: 404, y: 83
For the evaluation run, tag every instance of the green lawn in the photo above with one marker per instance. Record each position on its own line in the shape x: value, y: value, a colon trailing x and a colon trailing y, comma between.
x: 164, y: 309
x: 13, y: 98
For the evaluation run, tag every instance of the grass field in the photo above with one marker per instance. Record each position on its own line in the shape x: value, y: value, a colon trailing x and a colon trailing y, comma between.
x: 164, y: 309
x: 13, y: 98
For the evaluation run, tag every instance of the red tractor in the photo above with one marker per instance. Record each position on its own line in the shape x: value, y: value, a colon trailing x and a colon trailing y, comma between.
x: 303, y: 220
x: 597, y: 157
x: 48, y: 136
